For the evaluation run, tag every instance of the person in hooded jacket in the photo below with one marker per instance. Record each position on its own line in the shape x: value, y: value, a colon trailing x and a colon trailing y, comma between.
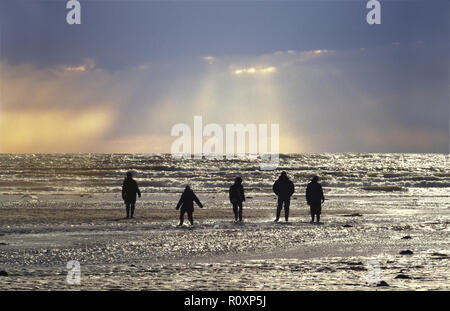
x: 129, y: 190
x: 237, y: 197
x: 284, y: 189
x: 315, y: 198
x: 186, y: 205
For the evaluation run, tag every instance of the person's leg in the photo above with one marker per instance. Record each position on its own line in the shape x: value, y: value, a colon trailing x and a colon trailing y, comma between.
x: 235, y: 211
x: 127, y: 208
x: 312, y: 213
x: 133, y: 204
x: 181, y: 217
x: 240, y: 211
x: 287, y: 203
x: 319, y: 211
x: 279, y: 207
x: 191, y: 219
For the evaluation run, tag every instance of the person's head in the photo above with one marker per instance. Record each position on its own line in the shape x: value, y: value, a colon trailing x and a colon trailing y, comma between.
x: 129, y: 175
x: 283, y: 174
x: 315, y: 179
x: 238, y: 180
x: 187, y: 188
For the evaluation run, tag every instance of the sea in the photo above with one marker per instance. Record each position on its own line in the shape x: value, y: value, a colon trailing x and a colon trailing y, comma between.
x: 386, y: 218
x: 341, y: 174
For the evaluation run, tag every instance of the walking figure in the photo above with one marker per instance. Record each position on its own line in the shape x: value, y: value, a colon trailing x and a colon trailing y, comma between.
x: 284, y: 189
x: 129, y: 191
x: 186, y: 203
x: 315, y: 198
x: 237, y: 197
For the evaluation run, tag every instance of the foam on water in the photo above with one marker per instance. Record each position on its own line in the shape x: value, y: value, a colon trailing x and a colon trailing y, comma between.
x: 341, y: 174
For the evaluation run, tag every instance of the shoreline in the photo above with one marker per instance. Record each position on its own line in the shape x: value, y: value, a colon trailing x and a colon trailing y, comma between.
x: 16, y: 217
x: 151, y: 253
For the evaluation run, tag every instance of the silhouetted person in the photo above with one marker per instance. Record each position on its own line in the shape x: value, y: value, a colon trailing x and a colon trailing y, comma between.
x: 237, y: 197
x: 186, y: 203
x: 129, y: 191
x: 315, y: 198
x: 283, y: 188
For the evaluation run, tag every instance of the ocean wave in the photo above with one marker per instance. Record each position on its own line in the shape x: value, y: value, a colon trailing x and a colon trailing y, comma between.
x: 426, y: 184
x: 101, y: 173
x: 384, y: 188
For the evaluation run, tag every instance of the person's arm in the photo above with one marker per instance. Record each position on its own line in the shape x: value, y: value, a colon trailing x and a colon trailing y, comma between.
x: 198, y: 201
x: 230, y: 193
x: 321, y: 194
x: 292, y: 188
x: 123, y: 191
x: 243, y: 194
x: 137, y: 190
x: 275, y: 187
x: 307, y: 195
x: 179, y: 203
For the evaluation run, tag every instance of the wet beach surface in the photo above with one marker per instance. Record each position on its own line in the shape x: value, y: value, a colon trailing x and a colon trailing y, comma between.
x: 151, y: 253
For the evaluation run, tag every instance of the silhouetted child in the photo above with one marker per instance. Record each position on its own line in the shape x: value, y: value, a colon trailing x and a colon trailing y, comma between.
x: 315, y: 198
x: 129, y: 191
x: 237, y: 197
x: 186, y: 203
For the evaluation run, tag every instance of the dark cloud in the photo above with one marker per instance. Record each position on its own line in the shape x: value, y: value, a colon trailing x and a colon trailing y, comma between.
x: 332, y: 81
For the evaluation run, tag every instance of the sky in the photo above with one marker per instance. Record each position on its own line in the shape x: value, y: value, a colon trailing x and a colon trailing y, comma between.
x: 120, y: 80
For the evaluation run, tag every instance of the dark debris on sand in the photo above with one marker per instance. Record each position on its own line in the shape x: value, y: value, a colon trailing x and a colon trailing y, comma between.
x: 326, y: 269
x: 382, y: 283
x: 402, y: 276
x: 439, y: 256
x: 407, y: 252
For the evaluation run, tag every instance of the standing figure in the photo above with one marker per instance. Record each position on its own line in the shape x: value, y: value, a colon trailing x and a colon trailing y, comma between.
x: 186, y: 203
x: 237, y: 197
x: 129, y: 191
x: 315, y: 198
x: 283, y: 188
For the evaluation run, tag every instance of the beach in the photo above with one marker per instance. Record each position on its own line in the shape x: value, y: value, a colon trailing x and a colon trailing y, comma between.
x: 323, y: 106
x: 40, y: 234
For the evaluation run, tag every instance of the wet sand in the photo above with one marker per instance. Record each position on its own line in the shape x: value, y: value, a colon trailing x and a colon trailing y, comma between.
x: 54, y: 217
x: 151, y: 253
